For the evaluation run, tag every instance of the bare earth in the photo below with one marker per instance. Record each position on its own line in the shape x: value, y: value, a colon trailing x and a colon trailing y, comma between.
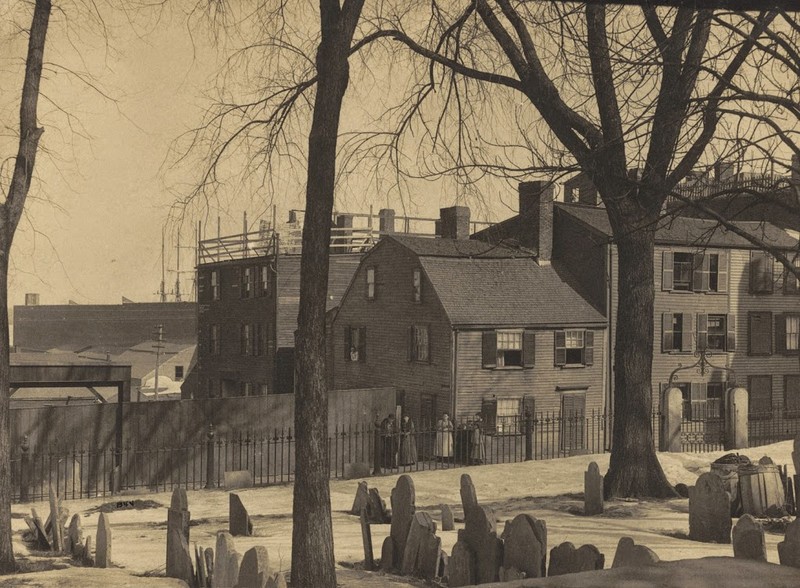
x: 550, y: 490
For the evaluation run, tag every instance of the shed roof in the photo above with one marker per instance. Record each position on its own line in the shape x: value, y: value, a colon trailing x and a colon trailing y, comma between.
x: 505, y: 292
x: 681, y: 230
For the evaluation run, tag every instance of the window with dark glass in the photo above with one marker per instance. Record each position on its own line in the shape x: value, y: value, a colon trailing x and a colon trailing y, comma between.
x: 263, y: 281
x: 760, y: 272
x: 509, y: 348
x: 574, y: 347
x: 247, y: 282
x: 682, y: 266
x: 355, y: 344
x: 214, y: 340
x: 420, y: 343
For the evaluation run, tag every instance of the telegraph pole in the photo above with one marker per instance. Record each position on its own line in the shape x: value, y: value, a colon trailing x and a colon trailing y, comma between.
x: 159, y: 346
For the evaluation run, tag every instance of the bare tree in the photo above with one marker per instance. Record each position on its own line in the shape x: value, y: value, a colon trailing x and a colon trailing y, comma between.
x: 639, y: 89
x: 10, y: 213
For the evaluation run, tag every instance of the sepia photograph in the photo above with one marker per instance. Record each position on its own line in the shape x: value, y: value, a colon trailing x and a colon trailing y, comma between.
x: 399, y: 293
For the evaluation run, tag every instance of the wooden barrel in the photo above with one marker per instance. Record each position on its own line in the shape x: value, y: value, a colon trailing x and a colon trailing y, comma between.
x: 760, y: 487
x: 729, y: 472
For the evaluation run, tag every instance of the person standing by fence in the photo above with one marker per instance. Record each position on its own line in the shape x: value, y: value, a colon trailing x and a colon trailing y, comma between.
x: 477, y: 454
x: 408, y: 442
x: 389, y: 433
x: 444, y: 439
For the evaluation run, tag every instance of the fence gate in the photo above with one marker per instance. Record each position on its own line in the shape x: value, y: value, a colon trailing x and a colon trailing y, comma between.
x: 702, y: 427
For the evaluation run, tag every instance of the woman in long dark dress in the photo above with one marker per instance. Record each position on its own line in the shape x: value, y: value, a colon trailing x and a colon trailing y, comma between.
x: 478, y: 442
x: 408, y: 442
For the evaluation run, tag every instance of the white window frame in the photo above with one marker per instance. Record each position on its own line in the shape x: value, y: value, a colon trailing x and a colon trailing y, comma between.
x: 508, y: 415
x: 214, y: 284
x: 574, y: 341
x: 421, y: 349
x: 509, y: 340
x: 370, y: 277
x: 792, y: 332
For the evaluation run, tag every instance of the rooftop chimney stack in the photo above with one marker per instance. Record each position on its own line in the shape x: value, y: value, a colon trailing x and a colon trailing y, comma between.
x: 536, y: 200
x: 32, y: 299
x: 454, y: 222
x: 723, y: 171
x: 386, y: 220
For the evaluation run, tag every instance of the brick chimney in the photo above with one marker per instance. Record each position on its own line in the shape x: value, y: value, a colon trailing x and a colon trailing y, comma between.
x: 32, y: 299
x: 579, y: 188
x: 386, y: 220
x: 454, y: 222
x: 536, y: 200
x: 723, y: 171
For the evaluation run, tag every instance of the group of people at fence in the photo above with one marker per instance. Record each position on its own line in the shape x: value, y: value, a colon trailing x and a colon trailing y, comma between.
x: 464, y: 443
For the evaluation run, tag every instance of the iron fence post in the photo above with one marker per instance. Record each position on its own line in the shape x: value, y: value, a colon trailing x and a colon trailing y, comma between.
x: 24, y: 473
x: 377, y: 450
x: 210, y: 457
x: 528, y: 436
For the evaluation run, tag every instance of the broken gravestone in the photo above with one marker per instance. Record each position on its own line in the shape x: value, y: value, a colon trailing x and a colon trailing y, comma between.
x: 421, y: 554
x: 789, y: 548
x: 254, y: 571
x: 565, y: 559
x: 709, y: 510
x: 630, y: 555
x: 480, y: 533
x: 448, y: 520
x: 226, y: 562
x: 75, y: 537
x: 524, y: 547
x: 376, y: 508
x: 361, y: 500
x: 102, y: 556
x: 239, y: 521
x: 748, y: 539
x: 366, y: 540
x: 403, y: 509
x: 56, y: 526
x: 461, y: 567
x: 592, y: 491
x: 179, y: 558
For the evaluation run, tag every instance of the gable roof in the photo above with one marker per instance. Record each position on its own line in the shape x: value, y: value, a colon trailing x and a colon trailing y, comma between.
x: 505, y: 292
x: 458, y: 248
x: 681, y: 230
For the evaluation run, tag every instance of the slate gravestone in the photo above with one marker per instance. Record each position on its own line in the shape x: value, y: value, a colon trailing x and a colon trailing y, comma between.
x: 403, y: 509
x: 239, y: 521
x: 525, y: 546
x: 592, y: 491
x: 254, y: 571
x: 422, y: 547
x: 102, y: 556
x: 376, y: 508
x: 748, y: 539
x: 235, y: 479
x: 366, y: 539
x: 630, y: 555
x: 565, y: 559
x: 361, y: 500
x: 75, y: 537
x: 201, y: 573
x: 88, y: 560
x: 43, y: 541
x: 461, y: 567
x: 179, y: 558
x: 56, y: 526
x: 208, y: 558
x: 480, y: 533
x: 469, y: 499
x: 448, y: 520
x: 226, y: 562
x: 789, y: 548
x: 442, y: 564
x: 387, y: 555
x: 709, y: 510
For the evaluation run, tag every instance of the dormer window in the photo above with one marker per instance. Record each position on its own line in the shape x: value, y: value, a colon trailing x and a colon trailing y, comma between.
x: 417, y: 285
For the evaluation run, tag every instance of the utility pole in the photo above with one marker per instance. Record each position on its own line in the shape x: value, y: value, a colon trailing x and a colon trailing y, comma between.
x: 161, y: 291
x: 178, y: 273
x: 159, y: 346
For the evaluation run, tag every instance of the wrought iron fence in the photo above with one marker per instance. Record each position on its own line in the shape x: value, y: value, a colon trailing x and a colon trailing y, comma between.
x: 82, y: 472
x: 702, y: 427
x: 766, y: 427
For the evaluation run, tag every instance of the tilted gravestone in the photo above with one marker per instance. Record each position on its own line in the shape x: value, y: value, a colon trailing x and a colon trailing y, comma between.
x: 361, y: 500
x: 179, y: 558
x: 102, y: 556
x: 709, y: 510
x: 226, y: 562
x: 254, y: 571
x: 630, y: 555
x: 592, y: 491
x: 565, y: 559
x: 387, y: 555
x: 366, y: 540
x: 403, y: 509
x: 56, y: 526
x: 480, y: 533
x: 448, y: 520
x: 748, y: 539
x: 789, y: 548
x: 461, y: 567
x: 42, y: 539
x: 208, y: 559
x: 421, y: 554
x: 525, y: 547
x: 239, y: 521
x: 75, y: 537
x: 376, y: 508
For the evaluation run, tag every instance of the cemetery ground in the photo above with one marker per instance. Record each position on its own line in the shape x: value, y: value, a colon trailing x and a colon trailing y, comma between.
x: 550, y: 490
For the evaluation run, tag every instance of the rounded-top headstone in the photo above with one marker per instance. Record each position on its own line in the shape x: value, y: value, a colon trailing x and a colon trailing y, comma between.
x: 255, y: 567
x: 179, y: 500
x: 748, y: 539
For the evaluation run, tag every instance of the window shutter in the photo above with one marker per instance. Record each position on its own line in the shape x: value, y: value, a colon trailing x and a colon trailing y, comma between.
x: 410, y: 354
x: 560, y: 348
x: 489, y: 349
x: 362, y: 344
x: 489, y: 415
x: 588, y: 347
x: 667, y: 343
x: 667, y: 271
x: 790, y: 285
x: 760, y: 272
x: 760, y: 340
x: 430, y: 351
x: 702, y: 330
x: 722, y: 272
x: 348, y: 343
x: 791, y: 394
x: 528, y: 405
x: 700, y: 272
x: 528, y: 349
x: 730, y: 324
x: 780, y: 333
x: 686, y: 334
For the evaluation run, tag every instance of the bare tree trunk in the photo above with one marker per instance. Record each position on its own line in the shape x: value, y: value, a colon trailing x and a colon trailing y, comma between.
x: 10, y: 213
x: 312, y: 533
x: 634, y: 469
